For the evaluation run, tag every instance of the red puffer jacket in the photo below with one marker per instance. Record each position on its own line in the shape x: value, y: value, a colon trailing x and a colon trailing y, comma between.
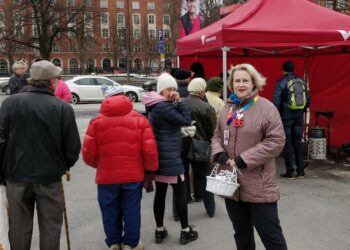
x: 119, y: 142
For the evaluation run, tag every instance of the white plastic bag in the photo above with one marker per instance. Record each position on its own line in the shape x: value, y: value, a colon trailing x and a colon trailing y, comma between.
x: 4, y: 220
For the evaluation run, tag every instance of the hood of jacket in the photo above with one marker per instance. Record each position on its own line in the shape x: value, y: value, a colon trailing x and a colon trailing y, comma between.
x: 151, y: 98
x: 116, y: 106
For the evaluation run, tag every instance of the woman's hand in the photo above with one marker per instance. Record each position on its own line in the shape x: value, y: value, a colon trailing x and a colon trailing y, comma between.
x: 232, y: 163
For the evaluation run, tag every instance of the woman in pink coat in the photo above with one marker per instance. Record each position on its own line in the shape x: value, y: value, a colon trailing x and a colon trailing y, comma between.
x: 248, y: 136
x: 63, y: 92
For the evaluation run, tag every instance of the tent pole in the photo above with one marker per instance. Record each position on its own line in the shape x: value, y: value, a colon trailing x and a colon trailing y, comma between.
x: 224, y: 71
x: 178, y: 62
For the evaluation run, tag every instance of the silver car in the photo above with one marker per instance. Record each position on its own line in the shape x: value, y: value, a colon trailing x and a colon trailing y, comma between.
x: 88, y: 88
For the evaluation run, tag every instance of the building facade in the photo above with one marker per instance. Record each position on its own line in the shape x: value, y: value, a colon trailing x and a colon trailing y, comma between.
x: 114, y: 35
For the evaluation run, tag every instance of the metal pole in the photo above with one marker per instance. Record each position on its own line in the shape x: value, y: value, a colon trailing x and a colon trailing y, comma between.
x: 224, y: 71
x: 65, y: 217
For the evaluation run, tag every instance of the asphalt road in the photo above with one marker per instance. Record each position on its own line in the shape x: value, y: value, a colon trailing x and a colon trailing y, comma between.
x: 314, y: 212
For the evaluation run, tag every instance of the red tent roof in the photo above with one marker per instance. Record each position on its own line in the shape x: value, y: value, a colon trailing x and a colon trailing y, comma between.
x: 271, y: 24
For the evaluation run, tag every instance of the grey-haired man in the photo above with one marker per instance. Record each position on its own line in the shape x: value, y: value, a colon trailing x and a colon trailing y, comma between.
x: 39, y: 142
x: 19, y: 77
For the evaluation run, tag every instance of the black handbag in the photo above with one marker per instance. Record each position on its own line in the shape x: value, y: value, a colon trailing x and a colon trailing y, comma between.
x: 199, y: 150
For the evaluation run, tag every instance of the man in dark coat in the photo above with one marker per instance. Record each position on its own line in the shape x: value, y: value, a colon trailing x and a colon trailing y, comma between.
x: 19, y: 78
x: 293, y: 122
x: 39, y: 142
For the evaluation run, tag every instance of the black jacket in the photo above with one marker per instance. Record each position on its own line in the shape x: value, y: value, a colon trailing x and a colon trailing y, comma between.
x: 39, y: 138
x: 166, y: 119
x: 280, y: 99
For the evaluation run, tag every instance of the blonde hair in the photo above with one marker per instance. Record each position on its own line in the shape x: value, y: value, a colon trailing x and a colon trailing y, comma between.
x: 258, y: 80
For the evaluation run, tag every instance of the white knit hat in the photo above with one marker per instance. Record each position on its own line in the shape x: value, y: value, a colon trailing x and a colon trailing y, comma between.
x: 165, y: 81
x: 115, y: 90
x: 197, y: 85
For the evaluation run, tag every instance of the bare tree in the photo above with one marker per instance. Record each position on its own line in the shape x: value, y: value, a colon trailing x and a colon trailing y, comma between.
x: 38, y: 24
x: 210, y: 12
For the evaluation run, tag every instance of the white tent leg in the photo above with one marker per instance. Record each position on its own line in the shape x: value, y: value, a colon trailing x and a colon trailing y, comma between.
x: 224, y: 71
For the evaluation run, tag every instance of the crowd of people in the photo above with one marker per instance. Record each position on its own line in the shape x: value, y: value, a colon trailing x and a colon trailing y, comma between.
x: 39, y: 143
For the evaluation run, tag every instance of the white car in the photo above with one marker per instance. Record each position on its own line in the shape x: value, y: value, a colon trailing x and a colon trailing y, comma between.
x: 88, y: 88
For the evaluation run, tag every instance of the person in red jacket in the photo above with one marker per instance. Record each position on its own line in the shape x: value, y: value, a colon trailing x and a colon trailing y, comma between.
x: 120, y: 144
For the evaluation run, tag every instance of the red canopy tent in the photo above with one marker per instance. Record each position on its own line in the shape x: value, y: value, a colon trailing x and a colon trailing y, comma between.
x: 265, y: 33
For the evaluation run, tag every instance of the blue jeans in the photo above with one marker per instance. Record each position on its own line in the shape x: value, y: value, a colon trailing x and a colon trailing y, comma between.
x: 293, y: 130
x: 121, y: 204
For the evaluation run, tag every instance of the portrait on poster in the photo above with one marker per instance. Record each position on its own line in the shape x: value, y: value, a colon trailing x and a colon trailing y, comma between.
x: 190, y: 17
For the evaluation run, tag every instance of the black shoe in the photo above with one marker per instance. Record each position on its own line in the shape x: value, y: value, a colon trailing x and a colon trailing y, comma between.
x: 176, y: 217
x: 186, y: 237
x: 160, y: 236
x: 211, y: 214
x: 301, y: 175
x: 287, y: 175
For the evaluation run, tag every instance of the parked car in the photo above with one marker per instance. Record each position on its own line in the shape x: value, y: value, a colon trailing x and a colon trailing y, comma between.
x: 4, y: 86
x: 88, y: 88
x: 150, y: 85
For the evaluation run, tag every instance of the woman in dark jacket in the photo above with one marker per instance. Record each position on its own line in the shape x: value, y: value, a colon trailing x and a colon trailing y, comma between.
x: 167, y: 114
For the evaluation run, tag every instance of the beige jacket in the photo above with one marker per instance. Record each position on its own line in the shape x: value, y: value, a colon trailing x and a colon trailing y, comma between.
x: 215, y: 101
x: 258, y: 142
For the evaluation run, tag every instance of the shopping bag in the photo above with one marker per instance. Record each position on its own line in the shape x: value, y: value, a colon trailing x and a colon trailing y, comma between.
x: 4, y: 220
x: 199, y: 150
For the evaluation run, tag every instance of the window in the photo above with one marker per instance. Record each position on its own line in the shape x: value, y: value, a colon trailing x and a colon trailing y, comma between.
x: 2, y: 47
x: 88, y: 3
x: 107, y: 65
x: 120, y: 18
x: 167, y: 48
x: 105, y: 33
x: 104, y: 18
x: 16, y: 1
x: 102, y: 81
x: 120, y: 5
x: 137, y: 33
x: 166, y: 20
x: 55, y: 47
x: 86, y: 81
x: 104, y: 3
x: 105, y: 47
x: 70, y: 3
x: 153, y: 47
x: 166, y: 34
x: 151, y: 19
x: 121, y: 33
x: 73, y: 63
x: 150, y: 6
x: 135, y: 5
x: 166, y: 6
x: 137, y: 47
x: 57, y: 62
x: 152, y: 34
x: 138, y: 64
x: 136, y: 19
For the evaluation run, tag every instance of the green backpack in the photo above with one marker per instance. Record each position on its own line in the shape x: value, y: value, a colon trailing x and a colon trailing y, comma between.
x: 296, y: 94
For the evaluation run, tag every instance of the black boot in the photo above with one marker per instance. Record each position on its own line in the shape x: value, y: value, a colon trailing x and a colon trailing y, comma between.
x: 189, y: 236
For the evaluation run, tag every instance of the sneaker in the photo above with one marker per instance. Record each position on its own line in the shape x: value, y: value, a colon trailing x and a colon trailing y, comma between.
x: 115, y: 247
x: 300, y: 175
x: 287, y: 175
x: 160, y: 236
x: 186, y: 237
x: 138, y: 247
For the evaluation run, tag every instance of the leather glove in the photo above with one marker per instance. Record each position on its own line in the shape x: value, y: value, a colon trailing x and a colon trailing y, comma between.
x: 222, y: 158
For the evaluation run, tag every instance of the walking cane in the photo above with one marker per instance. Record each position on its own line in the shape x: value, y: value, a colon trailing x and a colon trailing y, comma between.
x: 65, y: 210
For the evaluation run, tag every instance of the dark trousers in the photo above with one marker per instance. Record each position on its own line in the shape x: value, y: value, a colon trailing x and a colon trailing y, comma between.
x: 200, y: 172
x: 179, y: 191
x: 22, y: 200
x: 263, y: 216
x: 120, y: 206
x: 293, y: 130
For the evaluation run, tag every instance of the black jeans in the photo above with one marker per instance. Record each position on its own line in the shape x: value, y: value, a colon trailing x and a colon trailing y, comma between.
x: 263, y: 216
x: 200, y: 172
x: 293, y: 130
